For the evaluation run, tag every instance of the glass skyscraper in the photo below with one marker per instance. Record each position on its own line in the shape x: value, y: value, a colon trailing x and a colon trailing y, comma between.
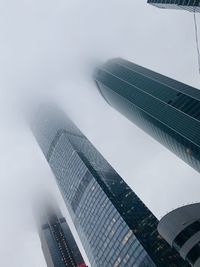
x: 114, y: 225
x: 190, y: 5
x: 58, y: 244
x: 166, y: 109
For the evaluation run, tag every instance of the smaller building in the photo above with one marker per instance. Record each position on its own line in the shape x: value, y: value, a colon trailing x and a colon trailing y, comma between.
x: 181, y: 229
x: 58, y: 244
x: 190, y: 5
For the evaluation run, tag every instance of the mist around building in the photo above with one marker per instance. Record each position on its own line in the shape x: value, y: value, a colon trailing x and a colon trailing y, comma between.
x: 100, y: 121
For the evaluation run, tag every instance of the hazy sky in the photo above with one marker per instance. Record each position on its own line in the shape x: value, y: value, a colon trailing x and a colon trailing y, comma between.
x: 49, y: 49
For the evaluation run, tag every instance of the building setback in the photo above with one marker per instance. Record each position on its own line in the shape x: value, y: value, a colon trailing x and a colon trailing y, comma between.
x: 190, y: 5
x: 166, y: 109
x: 181, y: 229
x: 58, y: 244
x: 114, y: 225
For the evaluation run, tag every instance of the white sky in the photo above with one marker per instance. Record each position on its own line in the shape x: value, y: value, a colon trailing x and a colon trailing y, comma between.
x: 49, y: 48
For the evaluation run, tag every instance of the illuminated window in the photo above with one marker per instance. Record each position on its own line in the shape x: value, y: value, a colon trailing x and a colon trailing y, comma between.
x: 188, y: 151
x: 126, y: 258
x: 127, y: 236
x: 117, y: 262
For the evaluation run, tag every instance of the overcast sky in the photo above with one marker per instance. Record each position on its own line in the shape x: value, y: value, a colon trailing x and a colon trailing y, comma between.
x: 49, y: 49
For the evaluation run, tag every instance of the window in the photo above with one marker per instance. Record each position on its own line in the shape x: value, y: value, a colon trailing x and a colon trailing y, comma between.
x: 127, y: 236
x: 117, y: 262
x: 194, y: 254
x: 186, y: 234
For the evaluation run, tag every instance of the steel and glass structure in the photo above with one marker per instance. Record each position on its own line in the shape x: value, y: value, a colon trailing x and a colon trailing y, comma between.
x: 58, y: 244
x: 114, y: 225
x: 190, y: 5
x: 166, y: 109
x: 181, y: 229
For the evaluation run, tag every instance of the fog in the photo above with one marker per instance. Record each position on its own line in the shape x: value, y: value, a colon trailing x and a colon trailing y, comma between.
x: 48, y: 50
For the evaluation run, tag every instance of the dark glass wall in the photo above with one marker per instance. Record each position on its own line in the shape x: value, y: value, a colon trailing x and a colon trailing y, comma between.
x: 190, y: 5
x: 114, y: 225
x: 164, y: 108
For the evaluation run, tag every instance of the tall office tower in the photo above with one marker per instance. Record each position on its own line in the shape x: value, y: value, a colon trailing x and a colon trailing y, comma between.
x: 58, y: 244
x: 166, y: 109
x: 181, y: 229
x: 115, y: 227
x: 190, y: 5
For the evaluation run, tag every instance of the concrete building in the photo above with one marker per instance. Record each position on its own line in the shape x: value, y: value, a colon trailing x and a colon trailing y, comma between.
x: 181, y: 229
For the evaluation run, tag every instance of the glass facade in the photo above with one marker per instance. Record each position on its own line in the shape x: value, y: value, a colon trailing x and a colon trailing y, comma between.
x: 190, y: 5
x: 58, y: 244
x: 166, y: 109
x: 114, y: 225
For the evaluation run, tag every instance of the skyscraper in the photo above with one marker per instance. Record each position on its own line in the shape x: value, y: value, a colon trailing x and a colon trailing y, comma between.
x: 181, y: 229
x: 114, y: 225
x: 190, y: 5
x: 166, y: 109
x: 58, y: 244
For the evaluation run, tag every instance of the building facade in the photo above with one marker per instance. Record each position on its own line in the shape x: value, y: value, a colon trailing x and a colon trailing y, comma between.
x: 114, y: 225
x: 164, y: 108
x: 181, y: 229
x: 58, y: 244
x: 190, y: 5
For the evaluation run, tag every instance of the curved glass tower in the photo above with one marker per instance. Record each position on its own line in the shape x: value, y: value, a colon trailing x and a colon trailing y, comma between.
x: 166, y: 109
x: 190, y: 5
x: 114, y: 225
x: 181, y: 229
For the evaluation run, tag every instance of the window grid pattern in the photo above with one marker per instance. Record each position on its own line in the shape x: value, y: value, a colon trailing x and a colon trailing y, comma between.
x: 189, y: 5
x: 53, y: 250
x: 110, y: 237
x: 58, y: 243
x: 88, y: 201
x: 168, y: 115
x: 110, y: 219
